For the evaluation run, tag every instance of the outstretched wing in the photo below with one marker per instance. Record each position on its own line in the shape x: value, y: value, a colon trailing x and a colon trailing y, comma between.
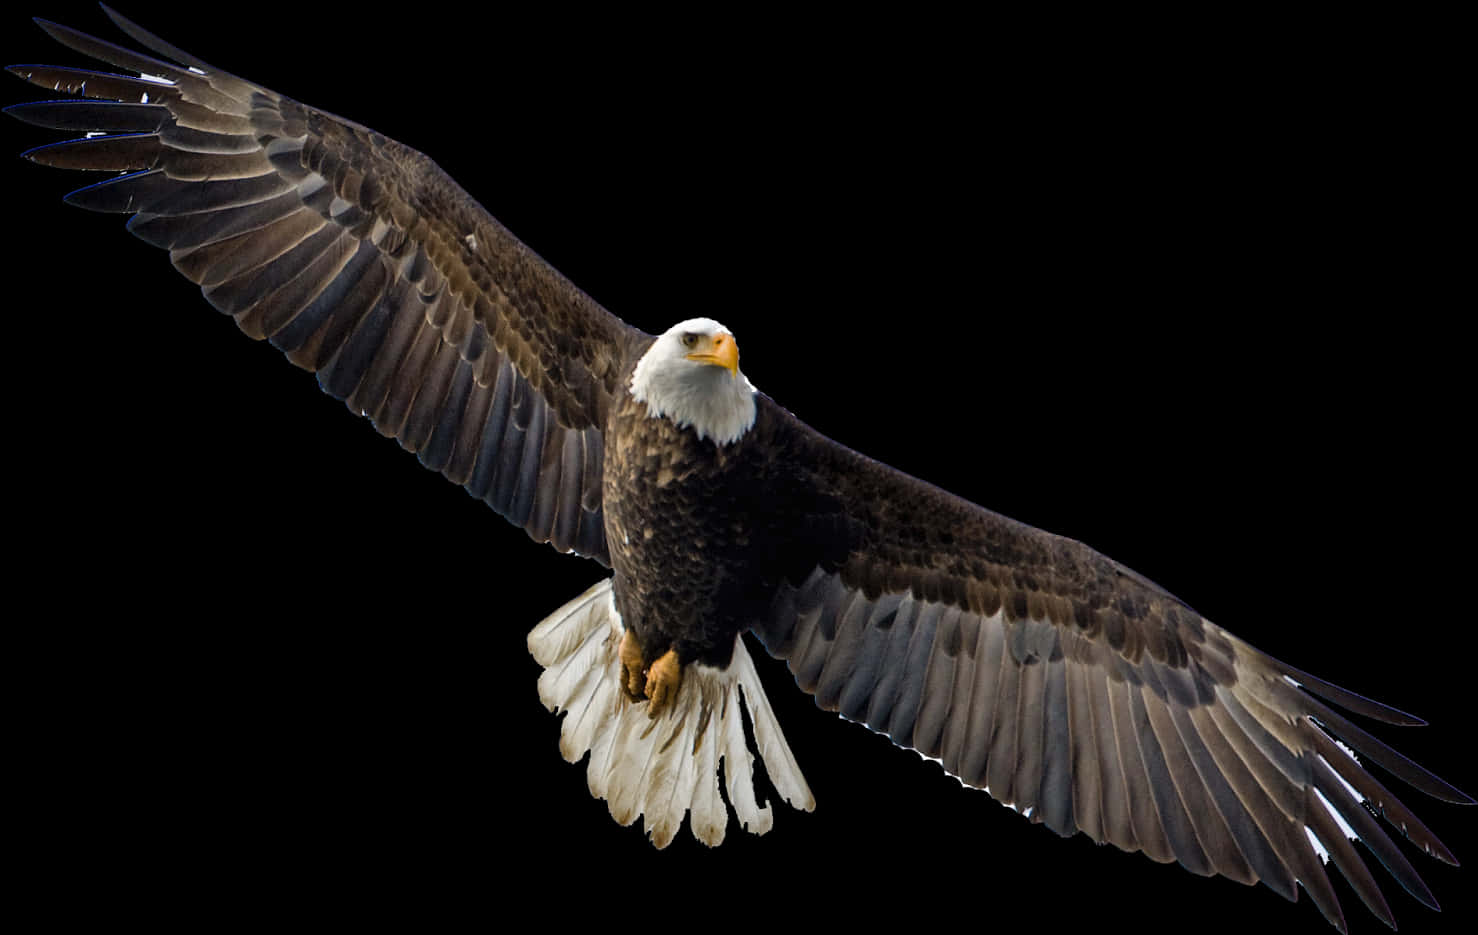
x: 1073, y: 689
x: 363, y: 262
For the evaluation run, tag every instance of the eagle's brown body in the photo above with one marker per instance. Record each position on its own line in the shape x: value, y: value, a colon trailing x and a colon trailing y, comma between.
x: 661, y: 547
x: 701, y: 534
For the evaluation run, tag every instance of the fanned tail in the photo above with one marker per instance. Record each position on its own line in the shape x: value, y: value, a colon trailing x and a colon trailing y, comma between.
x: 661, y: 768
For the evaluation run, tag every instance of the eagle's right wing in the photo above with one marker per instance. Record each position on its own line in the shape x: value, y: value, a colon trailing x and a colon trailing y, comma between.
x: 362, y: 261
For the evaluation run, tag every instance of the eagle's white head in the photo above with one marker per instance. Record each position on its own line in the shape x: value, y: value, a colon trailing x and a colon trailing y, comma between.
x: 691, y: 376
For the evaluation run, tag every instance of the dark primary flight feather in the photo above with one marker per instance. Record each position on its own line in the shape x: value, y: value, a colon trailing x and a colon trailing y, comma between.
x: 1074, y: 689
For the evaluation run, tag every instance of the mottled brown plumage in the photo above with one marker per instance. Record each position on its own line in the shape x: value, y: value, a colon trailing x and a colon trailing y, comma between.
x: 1078, y: 691
x: 679, y: 508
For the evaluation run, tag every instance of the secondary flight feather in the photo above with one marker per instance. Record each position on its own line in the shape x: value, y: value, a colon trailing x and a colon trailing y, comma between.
x: 1029, y: 665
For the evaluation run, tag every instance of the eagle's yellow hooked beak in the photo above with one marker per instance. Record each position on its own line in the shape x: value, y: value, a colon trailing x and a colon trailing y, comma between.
x: 720, y: 350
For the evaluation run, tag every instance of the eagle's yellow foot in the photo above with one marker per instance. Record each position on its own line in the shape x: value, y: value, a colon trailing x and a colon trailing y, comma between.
x: 632, y: 676
x: 663, y: 679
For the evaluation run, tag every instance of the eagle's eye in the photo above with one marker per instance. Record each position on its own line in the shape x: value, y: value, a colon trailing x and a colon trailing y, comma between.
x: 690, y: 339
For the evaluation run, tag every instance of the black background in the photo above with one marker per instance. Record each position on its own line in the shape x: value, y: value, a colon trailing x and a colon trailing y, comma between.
x: 1176, y: 289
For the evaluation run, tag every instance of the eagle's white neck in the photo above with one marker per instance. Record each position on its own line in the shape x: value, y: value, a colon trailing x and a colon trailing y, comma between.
x: 713, y: 402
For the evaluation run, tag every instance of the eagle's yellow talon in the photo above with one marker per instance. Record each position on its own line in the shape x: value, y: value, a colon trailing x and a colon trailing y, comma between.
x: 631, y: 666
x: 663, y: 679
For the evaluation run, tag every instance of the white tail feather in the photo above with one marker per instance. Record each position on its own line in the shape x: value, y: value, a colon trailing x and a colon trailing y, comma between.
x: 668, y: 767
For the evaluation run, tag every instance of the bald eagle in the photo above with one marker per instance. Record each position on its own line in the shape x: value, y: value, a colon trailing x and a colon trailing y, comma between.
x: 1068, y: 686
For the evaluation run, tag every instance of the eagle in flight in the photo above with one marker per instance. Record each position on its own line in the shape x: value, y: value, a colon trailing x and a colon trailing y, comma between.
x: 1066, y: 685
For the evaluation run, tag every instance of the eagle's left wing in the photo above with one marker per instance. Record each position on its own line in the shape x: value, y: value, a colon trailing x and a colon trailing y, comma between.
x: 1070, y: 687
